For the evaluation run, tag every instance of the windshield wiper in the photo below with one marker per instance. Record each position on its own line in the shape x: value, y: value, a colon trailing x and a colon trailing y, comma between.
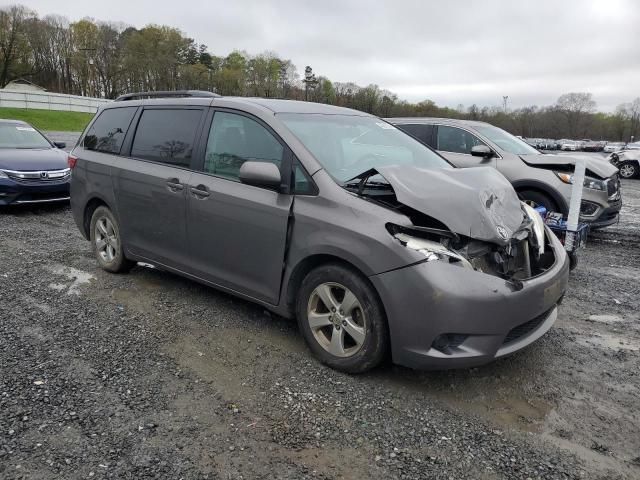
x: 363, y: 180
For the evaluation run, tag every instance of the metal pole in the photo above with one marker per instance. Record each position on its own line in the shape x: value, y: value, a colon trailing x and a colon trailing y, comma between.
x: 574, y: 203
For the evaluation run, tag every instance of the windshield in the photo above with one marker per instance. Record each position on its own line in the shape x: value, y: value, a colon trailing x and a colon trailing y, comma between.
x: 506, y: 141
x: 348, y: 145
x: 14, y: 135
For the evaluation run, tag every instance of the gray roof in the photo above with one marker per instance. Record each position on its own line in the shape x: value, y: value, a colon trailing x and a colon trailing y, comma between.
x: 297, y: 106
x: 271, y: 104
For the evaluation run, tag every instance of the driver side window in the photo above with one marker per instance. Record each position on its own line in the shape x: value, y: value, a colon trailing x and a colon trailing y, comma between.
x: 235, y: 139
x: 456, y: 140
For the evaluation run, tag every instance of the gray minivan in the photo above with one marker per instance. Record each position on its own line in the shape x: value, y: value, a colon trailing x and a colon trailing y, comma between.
x: 542, y: 178
x: 365, y: 235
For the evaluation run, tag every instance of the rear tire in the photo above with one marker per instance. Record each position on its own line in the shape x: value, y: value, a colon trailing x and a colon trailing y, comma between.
x: 106, y: 242
x: 535, y: 198
x: 342, y: 319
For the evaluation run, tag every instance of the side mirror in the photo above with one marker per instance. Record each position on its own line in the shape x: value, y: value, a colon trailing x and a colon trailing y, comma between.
x: 260, y: 174
x: 60, y: 144
x: 482, y: 151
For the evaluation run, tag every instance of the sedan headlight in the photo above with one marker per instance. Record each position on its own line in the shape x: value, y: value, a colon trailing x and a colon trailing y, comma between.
x: 433, y: 250
x: 3, y: 175
x: 589, y: 182
x: 538, y: 226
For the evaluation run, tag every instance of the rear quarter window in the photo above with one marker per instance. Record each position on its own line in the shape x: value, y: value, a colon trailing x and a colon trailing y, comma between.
x: 107, y: 133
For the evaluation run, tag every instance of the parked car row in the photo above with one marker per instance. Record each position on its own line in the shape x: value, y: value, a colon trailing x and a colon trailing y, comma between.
x: 584, y: 145
x: 349, y: 223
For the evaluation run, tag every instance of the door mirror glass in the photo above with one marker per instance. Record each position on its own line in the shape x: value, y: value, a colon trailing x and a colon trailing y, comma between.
x: 260, y: 174
x: 481, y: 151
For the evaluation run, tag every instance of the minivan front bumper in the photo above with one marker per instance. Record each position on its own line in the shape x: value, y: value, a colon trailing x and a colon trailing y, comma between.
x: 444, y: 316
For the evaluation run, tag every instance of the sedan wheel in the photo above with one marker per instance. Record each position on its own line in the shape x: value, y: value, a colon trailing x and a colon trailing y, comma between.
x: 336, y: 319
x: 628, y: 170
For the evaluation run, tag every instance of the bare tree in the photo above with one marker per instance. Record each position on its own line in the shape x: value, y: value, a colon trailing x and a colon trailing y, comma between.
x: 576, y: 106
x: 12, y: 38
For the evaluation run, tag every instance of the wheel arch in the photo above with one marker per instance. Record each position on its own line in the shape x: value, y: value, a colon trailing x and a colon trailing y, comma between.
x: 545, y: 189
x: 90, y: 207
x: 304, y: 266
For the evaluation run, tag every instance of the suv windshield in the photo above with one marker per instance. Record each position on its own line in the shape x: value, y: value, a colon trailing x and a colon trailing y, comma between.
x: 13, y: 135
x: 348, y: 145
x: 506, y: 141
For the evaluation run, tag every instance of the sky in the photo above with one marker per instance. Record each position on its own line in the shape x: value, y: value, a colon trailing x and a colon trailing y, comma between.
x: 452, y: 52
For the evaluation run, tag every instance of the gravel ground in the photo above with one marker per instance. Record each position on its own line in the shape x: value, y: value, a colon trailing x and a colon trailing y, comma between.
x: 148, y: 375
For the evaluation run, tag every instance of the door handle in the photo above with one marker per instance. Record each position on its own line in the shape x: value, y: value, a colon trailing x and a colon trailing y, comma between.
x: 201, y: 192
x: 174, y: 185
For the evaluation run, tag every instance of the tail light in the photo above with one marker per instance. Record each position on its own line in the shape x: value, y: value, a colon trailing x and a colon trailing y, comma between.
x: 71, y: 160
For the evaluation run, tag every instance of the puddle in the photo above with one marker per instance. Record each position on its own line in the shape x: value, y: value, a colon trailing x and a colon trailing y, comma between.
x: 76, y: 278
x: 612, y: 342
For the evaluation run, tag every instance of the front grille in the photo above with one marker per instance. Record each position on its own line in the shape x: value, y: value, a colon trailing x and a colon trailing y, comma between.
x: 524, y: 329
x: 38, y: 177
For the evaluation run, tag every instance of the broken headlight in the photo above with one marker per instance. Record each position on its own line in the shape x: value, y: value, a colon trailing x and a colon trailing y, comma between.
x: 589, y: 182
x: 538, y: 226
x: 432, y: 250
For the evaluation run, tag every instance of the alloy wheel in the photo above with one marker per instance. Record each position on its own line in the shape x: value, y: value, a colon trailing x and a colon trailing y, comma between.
x: 336, y: 319
x: 106, y: 240
x: 627, y: 171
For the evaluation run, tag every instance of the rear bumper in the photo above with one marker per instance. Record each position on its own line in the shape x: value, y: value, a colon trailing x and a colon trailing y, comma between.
x: 14, y: 193
x: 483, y: 315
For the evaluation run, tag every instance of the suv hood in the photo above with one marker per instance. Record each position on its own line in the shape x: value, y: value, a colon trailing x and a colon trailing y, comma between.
x: 32, y: 159
x: 595, y: 167
x: 476, y: 202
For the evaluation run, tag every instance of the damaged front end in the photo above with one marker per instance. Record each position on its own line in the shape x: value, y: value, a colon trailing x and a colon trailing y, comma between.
x: 484, y: 229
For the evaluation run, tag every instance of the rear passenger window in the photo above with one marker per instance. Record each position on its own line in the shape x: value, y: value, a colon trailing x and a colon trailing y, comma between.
x: 108, y: 131
x: 421, y: 132
x: 456, y: 140
x: 233, y: 140
x: 166, y: 136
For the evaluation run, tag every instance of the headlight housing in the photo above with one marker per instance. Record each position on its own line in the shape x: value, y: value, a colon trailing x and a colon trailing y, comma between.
x: 589, y: 182
x: 433, y: 250
x: 3, y: 175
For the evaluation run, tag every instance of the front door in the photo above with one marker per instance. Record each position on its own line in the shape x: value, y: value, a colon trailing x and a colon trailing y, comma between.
x: 237, y: 232
x: 455, y: 145
x: 151, y: 186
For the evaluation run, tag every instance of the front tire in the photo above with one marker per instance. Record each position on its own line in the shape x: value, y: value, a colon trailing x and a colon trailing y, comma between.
x: 628, y: 169
x: 106, y: 241
x: 342, y: 319
x: 535, y: 198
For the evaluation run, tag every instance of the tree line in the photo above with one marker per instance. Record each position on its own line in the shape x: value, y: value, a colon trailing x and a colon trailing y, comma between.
x: 102, y: 59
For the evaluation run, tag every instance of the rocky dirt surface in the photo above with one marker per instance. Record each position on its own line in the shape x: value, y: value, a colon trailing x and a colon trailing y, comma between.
x: 148, y: 375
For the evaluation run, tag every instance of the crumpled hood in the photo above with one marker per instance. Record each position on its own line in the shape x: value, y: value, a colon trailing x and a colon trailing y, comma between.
x: 597, y: 167
x: 476, y: 202
x: 32, y: 159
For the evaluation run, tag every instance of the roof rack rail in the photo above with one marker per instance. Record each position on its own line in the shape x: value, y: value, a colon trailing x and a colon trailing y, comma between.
x: 167, y: 94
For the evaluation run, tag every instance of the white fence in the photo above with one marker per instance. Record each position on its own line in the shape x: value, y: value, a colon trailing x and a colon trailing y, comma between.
x: 50, y: 101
